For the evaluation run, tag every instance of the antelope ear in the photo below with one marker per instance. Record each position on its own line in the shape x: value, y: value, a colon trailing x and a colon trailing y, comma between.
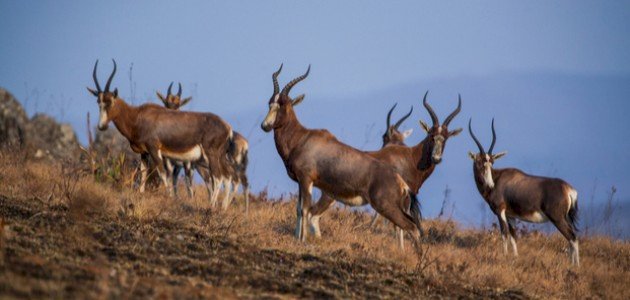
x: 116, y: 93
x: 161, y: 97
x: 424, y: 126
x: 499, y: 155
x: 94, y: 92
x: 471, y: 155
x: 297, y: 100
x: 407, y: 133
x: 185, y: 101
x: 455, y: 132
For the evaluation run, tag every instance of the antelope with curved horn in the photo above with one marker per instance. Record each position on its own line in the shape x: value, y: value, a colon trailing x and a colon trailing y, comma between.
x: 174, y: 102
x: 392, y: 135
x: 513, y: 194
x: 414, y: 164
x: 159, y: 133
x: 316, y: 158
x: 238, y: 155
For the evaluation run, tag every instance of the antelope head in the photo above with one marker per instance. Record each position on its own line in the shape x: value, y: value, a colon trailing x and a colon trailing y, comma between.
x: 281, y: 104
x: 439, y: 134
x: 392, y: 135
x: 483, y: 161
x: 106, y: 99
x: 173, y: 101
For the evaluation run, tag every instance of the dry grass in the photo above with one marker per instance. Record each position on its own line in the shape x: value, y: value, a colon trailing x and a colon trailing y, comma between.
x: 67, y: 235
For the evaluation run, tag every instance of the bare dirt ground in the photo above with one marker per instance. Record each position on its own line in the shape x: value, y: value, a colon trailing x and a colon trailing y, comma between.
x: 67, y: 236
x: 49, y: 254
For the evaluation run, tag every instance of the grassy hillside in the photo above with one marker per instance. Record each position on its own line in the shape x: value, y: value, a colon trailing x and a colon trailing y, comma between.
x: 65, y: 235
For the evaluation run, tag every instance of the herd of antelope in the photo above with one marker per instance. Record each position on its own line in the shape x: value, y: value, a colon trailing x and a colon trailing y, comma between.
x: 388, y: 179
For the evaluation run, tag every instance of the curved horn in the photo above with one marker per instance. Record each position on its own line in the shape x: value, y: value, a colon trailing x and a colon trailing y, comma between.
x: 109, y: 80
x: 404, y: 118
x: 389, y: 116
x: 494, y: 138
x: 455, y: 112
x: 276, y: 87
x: 179, y: 92
x: 475, y: 138
x: 168, y: 92
x: 98, y: 87
x: 434, y: 118
x: 287, y: 88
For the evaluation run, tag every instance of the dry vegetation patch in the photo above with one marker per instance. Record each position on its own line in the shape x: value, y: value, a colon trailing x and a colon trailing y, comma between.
x: 65, y: 235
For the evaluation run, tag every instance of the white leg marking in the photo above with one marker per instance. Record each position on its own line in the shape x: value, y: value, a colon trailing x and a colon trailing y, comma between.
x: 513, y: 242
x: 228, y: 190
x: 143, y: 175
x: 575, y: 253
x: 215, y: 191
x: 503, y: 237
x: 315, y: 226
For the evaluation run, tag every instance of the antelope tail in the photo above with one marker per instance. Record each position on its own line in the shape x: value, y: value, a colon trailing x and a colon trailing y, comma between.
x: 414, y: 208
x: 572, y: 215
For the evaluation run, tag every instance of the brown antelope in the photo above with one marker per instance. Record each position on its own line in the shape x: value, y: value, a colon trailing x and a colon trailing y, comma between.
x: 239, y: 177
x: 392, y: 135
x: 238, y: 153
x: 414, y: 164
x: 174, y: 102
x: 316, y: 158
x: 512, y: 194
x: 159, y: 133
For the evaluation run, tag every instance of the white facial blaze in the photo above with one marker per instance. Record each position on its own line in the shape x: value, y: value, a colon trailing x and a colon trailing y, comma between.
x: 103, y: 119
x: 487, y: 173
x: 271, y: 116
x: 437, y: 147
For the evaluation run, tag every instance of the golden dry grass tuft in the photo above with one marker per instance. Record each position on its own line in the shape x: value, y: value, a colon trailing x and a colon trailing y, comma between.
x: 65, y: 235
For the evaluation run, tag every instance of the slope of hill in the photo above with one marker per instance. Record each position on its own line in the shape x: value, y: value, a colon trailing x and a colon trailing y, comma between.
x: 65, y: 235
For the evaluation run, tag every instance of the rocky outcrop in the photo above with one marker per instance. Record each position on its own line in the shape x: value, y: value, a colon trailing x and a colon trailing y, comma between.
x: 53, y: 140
x: 13, y: 122
x: 38, y: 138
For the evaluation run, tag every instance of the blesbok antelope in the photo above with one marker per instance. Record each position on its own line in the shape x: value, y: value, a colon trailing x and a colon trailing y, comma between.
x: 513, y: 194
x: 414, y: 164
x: 239, y: 177
x: 392, y: 135
x: 174, y: 102
x: 238, y: 154
x: 156, y: 132
x: 316, y: 158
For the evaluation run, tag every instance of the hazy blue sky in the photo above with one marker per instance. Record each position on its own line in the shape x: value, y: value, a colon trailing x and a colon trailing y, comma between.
x: 556, y: 75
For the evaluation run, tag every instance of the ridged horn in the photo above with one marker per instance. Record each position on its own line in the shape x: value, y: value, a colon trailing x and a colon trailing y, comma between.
x: 168, y: 92
x: 455, y: 112
x: 494, y: 138
x: 98, y: 87
x: 403, y: 118
x: 434, y: 117
x: 389, y: 116
x: 109, y: 80
x: 276, y: 87
x: 481, y: 151
x: 287, y: 88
